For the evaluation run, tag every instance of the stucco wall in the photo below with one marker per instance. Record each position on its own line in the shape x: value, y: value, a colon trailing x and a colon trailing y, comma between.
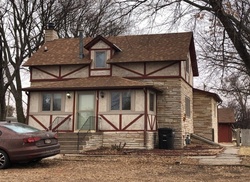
x: 152, y: 69
x: 52, y: 72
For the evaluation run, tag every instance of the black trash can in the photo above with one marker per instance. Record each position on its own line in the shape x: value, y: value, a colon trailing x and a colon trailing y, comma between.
x: 166, y: 138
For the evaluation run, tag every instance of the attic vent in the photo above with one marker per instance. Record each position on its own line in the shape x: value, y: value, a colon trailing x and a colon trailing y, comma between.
x: 81, y: 55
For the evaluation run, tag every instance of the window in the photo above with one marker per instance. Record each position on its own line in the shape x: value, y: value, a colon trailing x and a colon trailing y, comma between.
x: 51, y: 102
x: 151, y: 102
x: 100, y: 59
x: 21, y: 128
x: 187, y: 106
x: 121, y: 100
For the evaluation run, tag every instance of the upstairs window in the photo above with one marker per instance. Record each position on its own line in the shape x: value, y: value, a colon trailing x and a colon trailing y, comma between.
x: 121, y: 100
x: 51, y: 102
x: 187, y: 107
x: 100, y: 59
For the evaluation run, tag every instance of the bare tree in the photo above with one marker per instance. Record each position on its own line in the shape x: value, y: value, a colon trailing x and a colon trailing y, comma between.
x: 230, y: 17
x: 21, y: 29
x: 237, y: 89
x: 222, y: 28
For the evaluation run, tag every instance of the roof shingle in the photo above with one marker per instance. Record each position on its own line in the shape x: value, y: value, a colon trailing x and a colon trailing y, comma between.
x: 226, y: 115
x: 134, y: 48
x: 89, y: 83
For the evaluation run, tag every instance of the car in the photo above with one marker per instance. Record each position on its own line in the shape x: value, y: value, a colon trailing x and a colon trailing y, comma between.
x: 21, y: 143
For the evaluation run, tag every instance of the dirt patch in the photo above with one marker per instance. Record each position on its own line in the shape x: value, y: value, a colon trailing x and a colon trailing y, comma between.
x: 122, y: 168
x: 187, y: 151
x: 127, y: 165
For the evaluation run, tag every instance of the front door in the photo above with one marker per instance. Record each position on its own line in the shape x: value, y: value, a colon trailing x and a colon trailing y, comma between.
x: 86, y: 111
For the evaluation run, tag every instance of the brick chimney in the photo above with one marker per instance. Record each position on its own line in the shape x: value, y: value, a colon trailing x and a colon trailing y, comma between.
x: 50, y: 33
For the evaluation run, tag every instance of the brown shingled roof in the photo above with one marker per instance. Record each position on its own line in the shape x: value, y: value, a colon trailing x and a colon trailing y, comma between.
x: 89, y: 84
x: 134, y: 48
x: 226, y: 115
x: 211, y: 94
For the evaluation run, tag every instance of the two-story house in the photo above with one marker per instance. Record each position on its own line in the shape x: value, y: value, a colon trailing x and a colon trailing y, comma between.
x: 123, y: 87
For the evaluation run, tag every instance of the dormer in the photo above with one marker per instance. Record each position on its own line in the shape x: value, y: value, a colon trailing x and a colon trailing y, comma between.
x: 101, y: 50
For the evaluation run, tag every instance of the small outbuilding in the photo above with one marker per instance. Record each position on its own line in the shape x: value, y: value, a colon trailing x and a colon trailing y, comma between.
x: 226, y: 119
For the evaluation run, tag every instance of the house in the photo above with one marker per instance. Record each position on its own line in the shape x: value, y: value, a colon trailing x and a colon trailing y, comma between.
x: 226, y: 119
x: 205, y: 105
x: 124, y: 88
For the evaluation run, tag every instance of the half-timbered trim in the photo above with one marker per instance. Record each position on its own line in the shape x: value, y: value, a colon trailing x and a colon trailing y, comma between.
x: 146, y: 64
x: 40, y: 123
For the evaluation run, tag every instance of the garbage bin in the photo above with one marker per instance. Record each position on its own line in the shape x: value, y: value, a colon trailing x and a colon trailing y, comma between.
x: 166, y: 138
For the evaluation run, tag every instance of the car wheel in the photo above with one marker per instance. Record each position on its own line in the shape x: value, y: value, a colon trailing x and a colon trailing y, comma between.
x: 4, y: 160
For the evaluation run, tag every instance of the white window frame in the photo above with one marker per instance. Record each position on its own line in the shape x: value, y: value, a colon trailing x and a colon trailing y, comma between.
x: 120, y: 100
x: 95, y: 58
x: 52, y: 99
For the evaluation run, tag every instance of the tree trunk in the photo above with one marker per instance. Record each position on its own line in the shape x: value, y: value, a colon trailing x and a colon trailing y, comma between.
x: 2, y: 93
x: 17, y: 93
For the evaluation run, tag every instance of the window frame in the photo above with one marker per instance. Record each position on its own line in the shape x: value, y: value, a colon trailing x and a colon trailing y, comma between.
x: 121, y: 92
x: 104, y: 61
x: 52, y: 102
x: 187, y: 107
x: 152, y: 95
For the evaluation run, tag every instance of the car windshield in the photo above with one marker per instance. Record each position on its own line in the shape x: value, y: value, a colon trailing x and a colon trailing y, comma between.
x: 21, y: 128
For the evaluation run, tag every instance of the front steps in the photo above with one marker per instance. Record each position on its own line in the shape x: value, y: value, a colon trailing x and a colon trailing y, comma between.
x: 87, y: 141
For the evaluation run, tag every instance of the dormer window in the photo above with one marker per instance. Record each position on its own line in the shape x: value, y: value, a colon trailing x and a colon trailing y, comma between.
x: 100, y: 59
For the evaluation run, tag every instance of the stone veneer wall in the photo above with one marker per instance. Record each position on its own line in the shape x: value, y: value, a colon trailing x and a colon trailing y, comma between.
x: 203, y: 115
x: 133, y: 140
x: 171, y: 107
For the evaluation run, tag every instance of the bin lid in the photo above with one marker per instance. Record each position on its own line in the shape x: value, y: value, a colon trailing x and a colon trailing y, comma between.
x: 165, y: 129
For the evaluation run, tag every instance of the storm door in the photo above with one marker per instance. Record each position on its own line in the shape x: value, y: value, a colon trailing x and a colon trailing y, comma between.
x: 86, y: 111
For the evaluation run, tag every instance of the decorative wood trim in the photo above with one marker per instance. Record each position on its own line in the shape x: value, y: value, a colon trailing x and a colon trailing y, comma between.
x: 40, y: 123
x: 74, y: 71
x: 74, y: 111
x: 48, y: 73
x: 97, y: 108
x: 50, y: 121
x: 129, y: 70
x: 133, y: 121
x: 145, y: 116
x: 111, y: 124
x: 152, y: 122
x: 120, y: 121
x: 161, y: 68
x: 59, y: 76
x: 65, y: 119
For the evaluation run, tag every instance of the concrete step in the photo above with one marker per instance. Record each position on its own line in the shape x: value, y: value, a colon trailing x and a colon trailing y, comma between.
x: 69, y: 142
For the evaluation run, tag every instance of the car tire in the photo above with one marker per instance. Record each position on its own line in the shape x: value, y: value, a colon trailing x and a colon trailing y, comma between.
x: 4, y: 160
